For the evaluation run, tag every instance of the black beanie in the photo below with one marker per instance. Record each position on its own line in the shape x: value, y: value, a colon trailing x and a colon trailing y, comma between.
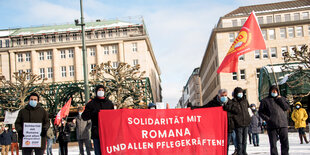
x: 99, y: 86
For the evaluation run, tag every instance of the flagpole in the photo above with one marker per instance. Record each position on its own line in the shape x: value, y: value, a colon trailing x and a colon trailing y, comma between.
x: 274, y: 75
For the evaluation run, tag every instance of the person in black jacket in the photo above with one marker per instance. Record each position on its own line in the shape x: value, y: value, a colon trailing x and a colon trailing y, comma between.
x: 242, y: 120
x: 63, y: 137
x: 91, y: 111
x: 273, y: 110
x: 221, y: 100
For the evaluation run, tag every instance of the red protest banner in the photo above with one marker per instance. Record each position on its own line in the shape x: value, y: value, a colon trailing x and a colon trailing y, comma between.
x: 163, y: 131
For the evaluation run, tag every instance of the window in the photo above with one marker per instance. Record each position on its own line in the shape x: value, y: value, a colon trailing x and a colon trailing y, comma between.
x: 25, y: 41
x: 265, y: 54
x: 291, y: 52
x: 296, y: 16
x: 287, y: 17
x: 114, y: 49
x: 41, y: 55
x: 118, y: 33
x: 18, y: 41
x: 309, y: 30
x: 42, y: 73
x: 71, y: 71
x: 260, y: 20
x: 71, y: 53
x: 50, y: 72
x: 264, y: 32
x: 291, y: 32
x: 257, y: 72
x: 20, y: 72
x: 106, y: 49
x: 242, y: 74
x: 103, y: 34
x: 49, y: 55
x: 241, y: 57
x: 234, y: 23
x: 39, y: 40
x: 46, y: 39
x: 234, y: 76
x: 74, y: 36
x: 273, y: 52
x: 135, y: 62
x: 305, y: 15
x: 110, y: 33
x: 283, y: 32
x: 257, y: 54
x: 134, y: 47
x: 115, y: 64
x: 0, y: 43
x: 92, y: 51
x: 32, y: 41
x: 269, y: 19
x: 283, y: 50
x: 92, y: 67
x: 96, y: 34
x: 53, y: 38
x: 63, y: 71
x: 231, y: 37
x: 272, y: 35
x: 60, y: 38
x: 28, y: 56
x: 20, y: 57
x: 299, y: 31
x: 88, y: 35
x: 67, y: 37
x: 7, y: 43
x: 28, y: 76
x: 63, y: 54
x: 124, y: 32
x: 243, y: 21
x: 278, y: 18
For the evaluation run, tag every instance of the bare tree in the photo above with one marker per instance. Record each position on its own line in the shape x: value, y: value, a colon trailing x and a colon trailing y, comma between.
x: 15, y: 92
x: 123, y: 83
x: 297, y: 64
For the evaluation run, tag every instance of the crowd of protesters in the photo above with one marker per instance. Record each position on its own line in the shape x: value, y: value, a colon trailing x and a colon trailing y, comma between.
x: 244, y: 120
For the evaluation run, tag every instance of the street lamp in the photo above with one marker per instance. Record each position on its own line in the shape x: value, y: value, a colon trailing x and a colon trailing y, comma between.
x: 85, y: 69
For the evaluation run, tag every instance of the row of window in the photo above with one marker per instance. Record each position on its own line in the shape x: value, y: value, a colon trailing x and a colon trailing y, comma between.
x: 285, y: 32
x: 275, y: 18
x: 63, y: 53
x: 272, y: 52
x: 7, y: 43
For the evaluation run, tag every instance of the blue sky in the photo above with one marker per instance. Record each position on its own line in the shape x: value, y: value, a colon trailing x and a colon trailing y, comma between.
x: 179, y: 29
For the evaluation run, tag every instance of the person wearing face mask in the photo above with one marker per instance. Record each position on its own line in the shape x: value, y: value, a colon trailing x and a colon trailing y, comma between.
x: 33, y: 113
x: 255, y: 126
x: 6, y: 140
x: 50, y: 138
x: 92, y: 108
x: 14, y: 144
x: 221, y: 100
x: 273, y: 109
x: 299, y: 116
x: 82, y: 131
x: 63, y: 136
x: 242, y: 120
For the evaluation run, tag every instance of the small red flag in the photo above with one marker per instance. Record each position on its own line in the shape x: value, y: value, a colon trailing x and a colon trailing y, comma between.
x: 63, y: 112
x: 250, y: 38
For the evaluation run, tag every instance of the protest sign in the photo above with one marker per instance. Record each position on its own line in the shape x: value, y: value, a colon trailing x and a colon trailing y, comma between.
x: 32, y: 135
x: 10, y: 117
x: 163, y: 131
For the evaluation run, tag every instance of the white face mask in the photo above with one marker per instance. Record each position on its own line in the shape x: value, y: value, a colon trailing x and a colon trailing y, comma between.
x: 6, y: 129
x: 100, y: 93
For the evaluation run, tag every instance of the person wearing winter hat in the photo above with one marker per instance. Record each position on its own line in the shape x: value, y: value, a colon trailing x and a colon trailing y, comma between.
x: 255, y: 126
x: 299, y: 116
x: 6, y: 140
x: 273, y: 109
x: 151, y: 106
x: 92, y: 108
x: 242, y: 119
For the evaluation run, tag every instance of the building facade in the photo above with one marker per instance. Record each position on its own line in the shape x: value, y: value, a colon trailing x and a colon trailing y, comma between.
x: 191, y: 91
x: 55, y: 52
x: 284, y: 25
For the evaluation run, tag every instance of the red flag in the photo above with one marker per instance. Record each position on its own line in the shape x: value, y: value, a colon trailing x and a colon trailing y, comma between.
x: 250, y: 38
x: 63, y: 112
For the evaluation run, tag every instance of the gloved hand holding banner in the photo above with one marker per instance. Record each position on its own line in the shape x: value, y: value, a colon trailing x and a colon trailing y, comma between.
x: 172, y: 131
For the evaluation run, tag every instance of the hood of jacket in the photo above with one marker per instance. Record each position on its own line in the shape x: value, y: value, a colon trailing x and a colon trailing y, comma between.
x: 274, y: 87
x: 298, y: 103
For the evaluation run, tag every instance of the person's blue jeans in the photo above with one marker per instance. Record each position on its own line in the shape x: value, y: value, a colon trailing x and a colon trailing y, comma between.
x: 255, y: 139
x: 49, y: 146
x: 97, y: 146
x: 242, y: 135
x: 234, y: 138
